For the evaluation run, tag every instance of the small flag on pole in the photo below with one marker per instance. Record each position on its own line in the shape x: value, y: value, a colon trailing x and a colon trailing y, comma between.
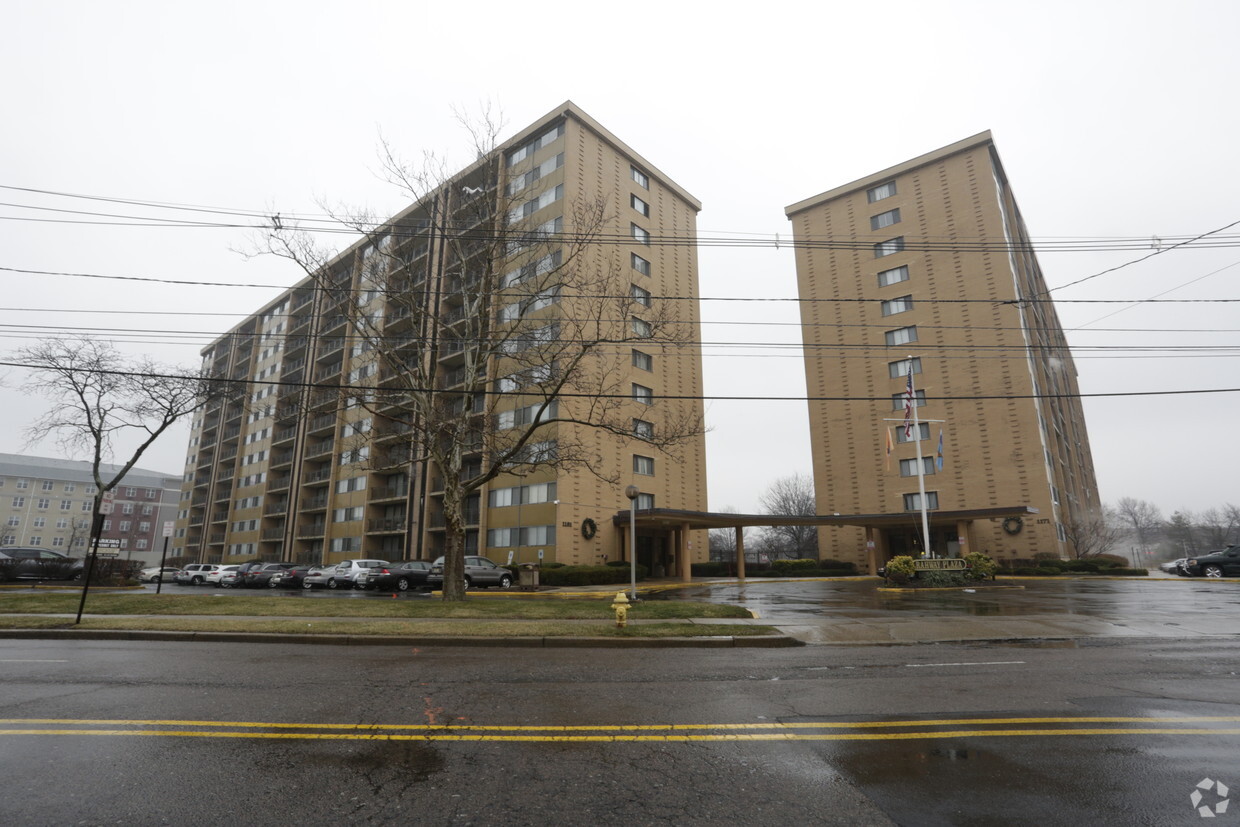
x: 938, y: 460
x: 908, y: 404
x: 890, y: 448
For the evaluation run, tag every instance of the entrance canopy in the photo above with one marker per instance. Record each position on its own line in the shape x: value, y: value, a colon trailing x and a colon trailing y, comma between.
x: 679, y: 523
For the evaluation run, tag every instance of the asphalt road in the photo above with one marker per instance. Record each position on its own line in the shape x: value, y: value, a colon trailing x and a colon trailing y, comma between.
x: 1101, y: 732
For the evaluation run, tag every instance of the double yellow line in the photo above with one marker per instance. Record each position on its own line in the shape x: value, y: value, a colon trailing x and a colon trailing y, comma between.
x: 800, y: 731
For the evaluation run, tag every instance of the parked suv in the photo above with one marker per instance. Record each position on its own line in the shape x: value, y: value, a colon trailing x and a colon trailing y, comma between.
x: 195, y: 574
x: 479, y: 571
x: 1222, y: 563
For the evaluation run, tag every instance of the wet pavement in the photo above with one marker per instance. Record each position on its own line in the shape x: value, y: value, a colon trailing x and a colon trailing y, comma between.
x: 858, y: 611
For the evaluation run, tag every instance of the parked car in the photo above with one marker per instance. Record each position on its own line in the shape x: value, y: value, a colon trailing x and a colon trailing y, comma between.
x: 1221, y: 563
x: 245, y: 568
x: 317, y: 578
x: 40, y: 564
x: 157, y: 575
x: 479, y: 571
x: 292, y: 578
x: 258, y: 578
x: 344, y: 575
x: 1173, y: 566
x: 216, y: 578
x: 195, y: 574
x: 229, y: 577
x: 400, y: 577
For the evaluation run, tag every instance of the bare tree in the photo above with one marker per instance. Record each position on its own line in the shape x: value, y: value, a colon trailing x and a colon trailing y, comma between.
x: 791, y: 496
x: 1143, y: 518
x: 1182, y: 532
x: 723, y: 540
x: 1217, y: 525
x: 1093, y: 533
x: 98, y: 397
x: 482, y: 346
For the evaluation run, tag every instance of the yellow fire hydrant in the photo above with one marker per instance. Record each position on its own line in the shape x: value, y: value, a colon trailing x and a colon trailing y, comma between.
x: 621, y: 606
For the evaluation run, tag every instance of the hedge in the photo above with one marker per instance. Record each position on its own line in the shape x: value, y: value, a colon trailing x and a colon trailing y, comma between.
x: 587, y: 575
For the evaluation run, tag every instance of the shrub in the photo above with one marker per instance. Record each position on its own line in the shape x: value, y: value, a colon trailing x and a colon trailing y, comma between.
x: 1047, y: 571
x: 1025, y: 571
x: 980, y: 566
x: 1082, y: 566
x: 1046, y: 556
x: 941, y: 579
x: 711, y: 569
x: 617, y: 563
x: 791, y: 567
x: 900, y: 569
x: 1107, y: 561
x: 562, y: 575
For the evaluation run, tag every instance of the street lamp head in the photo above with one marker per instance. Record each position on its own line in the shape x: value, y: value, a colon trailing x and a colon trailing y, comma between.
x: 632, y: 492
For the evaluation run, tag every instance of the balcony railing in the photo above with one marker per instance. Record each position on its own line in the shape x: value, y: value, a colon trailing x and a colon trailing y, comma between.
x: 387, y: 524
x: 313, y: 503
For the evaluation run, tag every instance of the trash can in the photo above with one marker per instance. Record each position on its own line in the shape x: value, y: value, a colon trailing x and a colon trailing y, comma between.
x: 527, y: 577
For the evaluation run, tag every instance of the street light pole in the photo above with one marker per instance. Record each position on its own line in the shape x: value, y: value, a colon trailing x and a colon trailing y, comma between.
x: 632, y: 492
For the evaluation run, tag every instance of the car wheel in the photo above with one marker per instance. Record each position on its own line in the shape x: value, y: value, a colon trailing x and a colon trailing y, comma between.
x: 154, y: 580
x: 224, y: 585
x: 306, y: 585
x: 196, y: 581
x: 468, y: 583
x: 505, y: 582
x: 271, y: 584
x: 402, y: 584
x: 332, y: 584
x: 1213, y: 571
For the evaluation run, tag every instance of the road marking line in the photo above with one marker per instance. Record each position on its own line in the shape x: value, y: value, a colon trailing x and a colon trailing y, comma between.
x: 789, y: 736
x: 630, y: 727
x: 972, y: 663
x: 18, y: 660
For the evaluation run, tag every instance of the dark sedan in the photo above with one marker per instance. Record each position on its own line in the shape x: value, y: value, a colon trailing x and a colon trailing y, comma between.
x: 38, y: 564
x: 400, y: 577
x: 293, y: 578
x: 1222, y: 563
x: 260, y: 577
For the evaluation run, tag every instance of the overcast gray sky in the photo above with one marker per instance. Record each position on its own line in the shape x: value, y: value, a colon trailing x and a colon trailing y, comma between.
x: 1112, y: 118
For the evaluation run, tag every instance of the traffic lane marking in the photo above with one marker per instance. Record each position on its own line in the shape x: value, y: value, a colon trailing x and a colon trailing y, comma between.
x: 549, y: 738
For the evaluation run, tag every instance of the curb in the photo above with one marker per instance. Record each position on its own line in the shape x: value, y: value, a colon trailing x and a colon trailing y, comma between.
x: 705, y: 642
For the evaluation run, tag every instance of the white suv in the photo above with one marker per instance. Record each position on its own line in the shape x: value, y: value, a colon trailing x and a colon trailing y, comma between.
x: 195, y: 574
x: 344, y: 575
x: 213, y: 578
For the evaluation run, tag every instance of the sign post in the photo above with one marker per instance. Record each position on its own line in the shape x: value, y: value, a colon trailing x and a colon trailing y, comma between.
x: 163, y: 558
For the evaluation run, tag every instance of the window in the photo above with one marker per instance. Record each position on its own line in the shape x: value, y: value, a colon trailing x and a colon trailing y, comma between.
x: 640, y: 295
x: 641, y: 328
x: 639, y: 235
x: 107, y: 525
x: 354, y: 484
x: 86, y: 504
x: 14, y: 521
x: 130, y: 492
x: 146, y: 510
x: 19, y: 502
x: 43, y: 502
x: 886, y: 219
x: 901, y: 336
x: 893, y: 276
x: 643, y: 465
x: 908, y: 467
x: 58, y: 541
x: 126, y: 525
x: 347, y: 544
x: 900, y: 305
x: 899, y: 369
x: 644, y: 501
x: 643, y: 429
x: 40, y: 522
x: 924, y: 428
x: 347, y: 515
x: 897, y: 400
x: 23, y: 484
x: 69, y: 487
x: 880, y: 192
x: 912, y: 502
x: 127, y: 508
x: 62, y: 523
x: 886, y: 248
x: 9, y: 539
x: 639, y: 205
x: 140, y: 544
x: 639, y: 264
x: 47, y: 485
x: 36, y: 540
x: 65, y: 505
x: 643, y: 394
x: 642, y: 179
x: 644, y: 361
x: 542, y: 492
x: 145, y: 528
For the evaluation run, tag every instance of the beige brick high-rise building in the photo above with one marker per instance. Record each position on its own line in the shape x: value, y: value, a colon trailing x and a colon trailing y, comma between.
x: 930, y: 261
x: 313, y: 464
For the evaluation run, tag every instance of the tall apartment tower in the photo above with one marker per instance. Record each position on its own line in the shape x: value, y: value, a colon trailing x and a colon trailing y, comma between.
x: 927, y: 266
x: 487, y: 289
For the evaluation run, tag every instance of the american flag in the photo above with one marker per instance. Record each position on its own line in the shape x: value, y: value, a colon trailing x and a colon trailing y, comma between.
x: 908, y: 403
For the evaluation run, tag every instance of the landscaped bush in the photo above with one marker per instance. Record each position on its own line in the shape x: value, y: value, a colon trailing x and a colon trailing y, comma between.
x: 1048, y: 571
x: 900, y: 569
x: 1110, y: 561
x: 561, y: 575
x: 980, y: 566
x: 941, y: 579
x: 1081, y: 566
x: 791, y: 568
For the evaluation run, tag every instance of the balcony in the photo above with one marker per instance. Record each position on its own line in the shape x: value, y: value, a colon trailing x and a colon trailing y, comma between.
x: 280, y: 483
x: 219, y: 517
x: 389, y: 492
x: 322, y: 422
x: 311, y: 530
x: 387, y: 525
x: 216, y: 539
x: 318, y: 503
x: 223, y: 491
x: 273, y: 534
x: 320, y: 448
x: 281, y: 458
x: 327, y: 372
x: 284, y: 435
x: 470, y: 515
x: 316, y: 476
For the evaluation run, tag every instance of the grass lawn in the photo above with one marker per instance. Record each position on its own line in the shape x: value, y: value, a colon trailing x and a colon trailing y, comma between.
x: 223, y: 605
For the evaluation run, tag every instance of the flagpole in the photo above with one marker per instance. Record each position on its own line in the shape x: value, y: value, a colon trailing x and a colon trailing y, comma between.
x: 921, y: 465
